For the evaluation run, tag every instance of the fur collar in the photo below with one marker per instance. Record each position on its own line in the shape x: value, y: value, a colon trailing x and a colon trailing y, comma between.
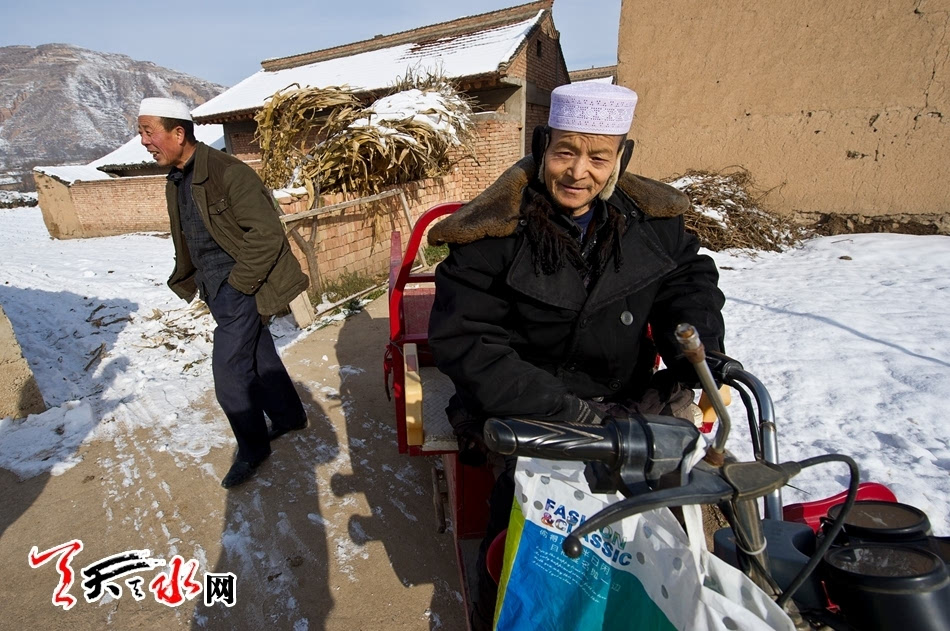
x: 497, y: 210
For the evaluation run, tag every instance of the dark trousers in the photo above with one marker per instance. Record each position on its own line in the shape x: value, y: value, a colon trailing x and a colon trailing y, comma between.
x: 499, y: 513
x: 249, y: 377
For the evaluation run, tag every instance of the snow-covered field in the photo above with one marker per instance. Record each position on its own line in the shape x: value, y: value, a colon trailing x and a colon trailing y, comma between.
x: 847, y: 333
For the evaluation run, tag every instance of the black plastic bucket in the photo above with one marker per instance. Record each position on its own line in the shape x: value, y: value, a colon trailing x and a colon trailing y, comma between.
x: 883, y: 587
x: 941, y: 547
x: 884, y: 522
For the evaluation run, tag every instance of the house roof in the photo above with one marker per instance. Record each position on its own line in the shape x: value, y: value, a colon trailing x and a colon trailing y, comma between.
x: 130, y: 155
x: 603, y: 73
x: 468, y: 47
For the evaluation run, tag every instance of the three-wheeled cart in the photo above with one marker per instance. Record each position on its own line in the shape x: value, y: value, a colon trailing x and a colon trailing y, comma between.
x: 421, y: 393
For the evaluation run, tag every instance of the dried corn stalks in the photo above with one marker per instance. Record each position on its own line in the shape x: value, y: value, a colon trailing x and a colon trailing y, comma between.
x: 287, y: 127
x: 324, y: 140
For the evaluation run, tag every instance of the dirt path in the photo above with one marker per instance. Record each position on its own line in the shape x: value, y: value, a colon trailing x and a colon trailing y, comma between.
x: 336, y: 532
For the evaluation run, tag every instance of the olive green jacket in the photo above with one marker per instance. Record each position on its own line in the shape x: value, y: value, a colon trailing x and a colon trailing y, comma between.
x: 239, y: 212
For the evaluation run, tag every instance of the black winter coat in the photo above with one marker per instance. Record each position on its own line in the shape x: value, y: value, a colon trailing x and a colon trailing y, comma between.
x: 518, y: 343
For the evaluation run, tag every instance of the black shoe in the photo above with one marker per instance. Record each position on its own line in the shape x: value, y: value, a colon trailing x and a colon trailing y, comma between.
x: 241, y: 471
x: 278, y: 430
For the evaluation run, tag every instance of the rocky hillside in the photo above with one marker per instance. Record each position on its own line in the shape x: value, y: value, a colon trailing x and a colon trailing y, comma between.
x: 60, y: 104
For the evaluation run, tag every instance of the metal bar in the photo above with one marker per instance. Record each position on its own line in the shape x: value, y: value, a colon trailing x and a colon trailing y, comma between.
x: 768, y: 434
x: 752, y: 537
x: 405, y: 209
x: 695, y: 352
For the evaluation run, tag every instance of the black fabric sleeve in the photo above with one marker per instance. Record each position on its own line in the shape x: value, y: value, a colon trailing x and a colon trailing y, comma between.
x: 471, y: 344
x: 689, y: 294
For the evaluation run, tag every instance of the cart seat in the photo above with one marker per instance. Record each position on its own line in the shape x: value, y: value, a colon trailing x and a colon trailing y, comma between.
x: 439, y: 435
x: 422, y: 427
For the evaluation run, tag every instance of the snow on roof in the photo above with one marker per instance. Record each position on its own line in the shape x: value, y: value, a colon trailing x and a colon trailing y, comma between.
x: 464, y: 55
x: 71, y: 174
x: 424, y: 108
x: 131, y: 154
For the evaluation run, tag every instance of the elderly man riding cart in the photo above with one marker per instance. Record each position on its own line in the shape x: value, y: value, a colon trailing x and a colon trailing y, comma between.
x: 558, y: 319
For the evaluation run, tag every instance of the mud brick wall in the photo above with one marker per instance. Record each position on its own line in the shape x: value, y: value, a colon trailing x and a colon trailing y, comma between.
x: 839, y: 107
x: 121, y: 206
x: 19, y: 394
x: 103, y: 207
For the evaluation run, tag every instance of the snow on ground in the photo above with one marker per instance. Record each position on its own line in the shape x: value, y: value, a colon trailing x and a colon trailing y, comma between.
x: 848, y: 334
x: 106, y: 339
x: 845, y: 331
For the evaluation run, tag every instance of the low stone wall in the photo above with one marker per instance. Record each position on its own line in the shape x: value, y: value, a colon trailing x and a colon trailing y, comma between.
x: 19, y: 394
x: 354, y: 240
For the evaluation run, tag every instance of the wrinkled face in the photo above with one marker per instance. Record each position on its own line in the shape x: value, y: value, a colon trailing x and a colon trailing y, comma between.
x: 577, y: 167
x: 167, y: 147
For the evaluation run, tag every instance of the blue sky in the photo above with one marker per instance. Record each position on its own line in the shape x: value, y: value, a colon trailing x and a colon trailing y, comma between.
x: 225, y: 40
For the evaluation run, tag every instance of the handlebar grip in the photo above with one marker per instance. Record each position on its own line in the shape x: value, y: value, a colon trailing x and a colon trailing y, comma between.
x: 553, y: 440
x: 721, y: 365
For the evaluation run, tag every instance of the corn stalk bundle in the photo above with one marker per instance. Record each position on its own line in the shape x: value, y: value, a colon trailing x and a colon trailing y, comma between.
x: 728, y: 212
x: 409, y: 135
x: 404, y: 137
x: 287, y: 126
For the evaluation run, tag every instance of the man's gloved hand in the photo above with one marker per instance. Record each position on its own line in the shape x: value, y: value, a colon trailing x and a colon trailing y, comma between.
x: 718, y: 363
x: 468, y: 431
x: 683, y: 372
x: 468, y: 427
x: 580, y: 411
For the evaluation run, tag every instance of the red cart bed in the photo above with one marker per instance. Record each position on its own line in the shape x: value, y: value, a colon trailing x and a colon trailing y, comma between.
x: 421, y: 393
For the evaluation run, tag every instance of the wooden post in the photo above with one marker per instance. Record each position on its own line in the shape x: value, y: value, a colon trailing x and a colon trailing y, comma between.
x: 302, y: 310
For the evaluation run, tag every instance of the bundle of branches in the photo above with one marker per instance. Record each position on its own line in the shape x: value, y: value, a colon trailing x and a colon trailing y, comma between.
x: 405, y: 136
x: 728, y: 212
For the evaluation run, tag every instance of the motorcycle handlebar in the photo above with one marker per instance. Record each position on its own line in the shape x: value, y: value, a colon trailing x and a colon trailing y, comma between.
x: 553, y: 441
x: 641, y: 449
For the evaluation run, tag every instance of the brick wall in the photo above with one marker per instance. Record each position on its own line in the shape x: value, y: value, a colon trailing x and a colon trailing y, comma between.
x: 105, y: 207
x: 121, y: 206
x: 239, y: 140
x: 349, y: 240
x: 102, y: 207
x: 544, y: 70
x: 497, y: 147
x: 352, y: 241
x: 356, y: 239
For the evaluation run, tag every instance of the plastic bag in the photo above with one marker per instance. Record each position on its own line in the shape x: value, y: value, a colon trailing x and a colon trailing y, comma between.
x: 642, y: 573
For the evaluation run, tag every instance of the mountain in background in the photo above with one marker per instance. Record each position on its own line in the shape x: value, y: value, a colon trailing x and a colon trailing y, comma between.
x: 60, y: 104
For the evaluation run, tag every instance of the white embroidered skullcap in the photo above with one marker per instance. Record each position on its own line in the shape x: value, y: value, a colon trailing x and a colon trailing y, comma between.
x: 592, y: 107
x: 166, y: 108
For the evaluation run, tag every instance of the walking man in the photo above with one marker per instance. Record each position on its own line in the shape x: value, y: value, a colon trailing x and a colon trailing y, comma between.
x: 231, y: 250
